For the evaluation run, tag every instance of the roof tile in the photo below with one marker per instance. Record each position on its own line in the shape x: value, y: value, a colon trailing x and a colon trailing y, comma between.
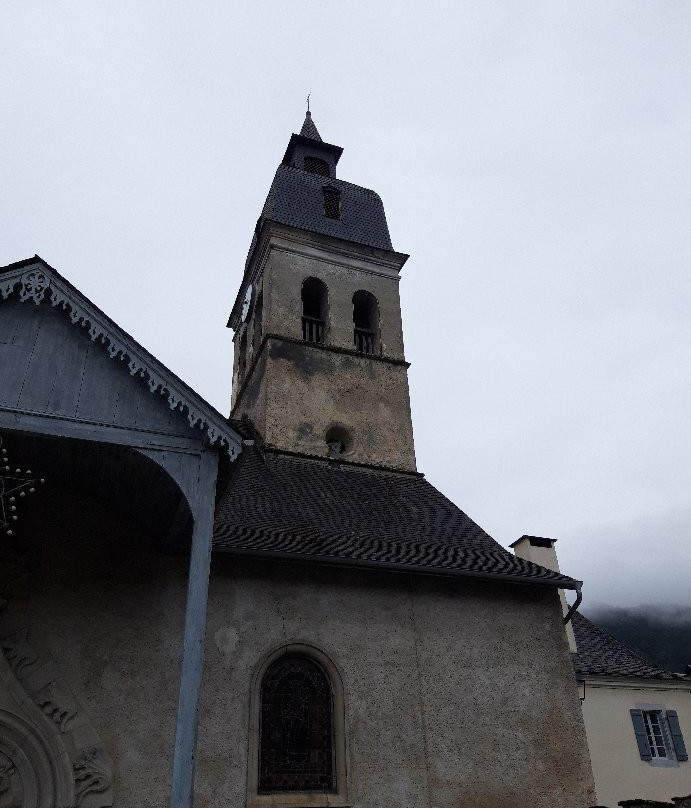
x: 599, y: 653
x: 329, y: 510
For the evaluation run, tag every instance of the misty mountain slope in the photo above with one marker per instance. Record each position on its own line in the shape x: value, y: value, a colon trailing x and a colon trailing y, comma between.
x: 663, y: 636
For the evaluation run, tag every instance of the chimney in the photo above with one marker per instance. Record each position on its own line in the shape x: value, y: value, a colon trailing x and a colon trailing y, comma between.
x: 541, y: 551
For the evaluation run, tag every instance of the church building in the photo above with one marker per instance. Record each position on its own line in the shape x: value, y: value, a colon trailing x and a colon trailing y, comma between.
x: 273, y: 608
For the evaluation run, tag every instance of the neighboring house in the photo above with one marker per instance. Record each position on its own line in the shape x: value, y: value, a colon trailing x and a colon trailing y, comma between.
x: 637, y: 718
x: 636, y: 715
x: 362, y: 641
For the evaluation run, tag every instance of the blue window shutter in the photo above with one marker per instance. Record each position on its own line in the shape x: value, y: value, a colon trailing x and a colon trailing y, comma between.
x: 677, y: 737
x: 641, y: 737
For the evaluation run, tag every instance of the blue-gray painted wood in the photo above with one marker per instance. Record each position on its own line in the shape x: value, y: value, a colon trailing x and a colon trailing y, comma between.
x: 52, y: 367
x: 42, y: 424
x: 677, y: 737
x: 55, y: 380
x: 36, y: 304
x: 182, y: 793
x: 15, y: 355
x: 641, y: 735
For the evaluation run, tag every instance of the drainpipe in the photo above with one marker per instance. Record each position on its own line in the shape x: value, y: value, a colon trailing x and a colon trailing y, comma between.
x: 576, y: 604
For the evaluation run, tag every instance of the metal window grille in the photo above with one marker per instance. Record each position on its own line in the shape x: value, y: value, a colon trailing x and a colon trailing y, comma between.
x: 332, y: 203
x: 312, y: 329
x: 364, y: 340
x: 296, y: 728
x: 656, y: 733
x: 316, y: 166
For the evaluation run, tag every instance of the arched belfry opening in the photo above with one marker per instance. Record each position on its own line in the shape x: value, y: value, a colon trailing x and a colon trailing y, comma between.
x: 365, y: 322
x: 315, y: 302
x: 242, y: 357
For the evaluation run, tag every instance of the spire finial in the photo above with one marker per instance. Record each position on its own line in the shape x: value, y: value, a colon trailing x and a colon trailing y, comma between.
x: 308, y: 127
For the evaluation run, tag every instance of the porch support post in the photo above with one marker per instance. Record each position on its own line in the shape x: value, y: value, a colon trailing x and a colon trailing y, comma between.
x: 202, y: 506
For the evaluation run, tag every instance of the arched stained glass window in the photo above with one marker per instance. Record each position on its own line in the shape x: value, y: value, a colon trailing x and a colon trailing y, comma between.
x: 296, y: 728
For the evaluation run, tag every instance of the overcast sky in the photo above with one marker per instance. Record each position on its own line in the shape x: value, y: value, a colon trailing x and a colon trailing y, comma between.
x: 534, y: 160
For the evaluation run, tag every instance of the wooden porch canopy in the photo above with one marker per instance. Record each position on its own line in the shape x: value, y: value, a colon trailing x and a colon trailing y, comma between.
x: 68, y: 371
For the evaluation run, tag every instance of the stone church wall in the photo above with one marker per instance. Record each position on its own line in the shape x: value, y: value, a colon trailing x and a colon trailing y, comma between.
x: 455, y: 693
x: 91, y: 629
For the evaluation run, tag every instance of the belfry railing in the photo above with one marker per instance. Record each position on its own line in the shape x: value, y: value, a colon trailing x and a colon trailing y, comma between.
x: 364, y: 340
x: 312, y: 329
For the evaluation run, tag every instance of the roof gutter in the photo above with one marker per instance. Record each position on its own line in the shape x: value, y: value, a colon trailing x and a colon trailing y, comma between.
x: 577, y: 602
x: 357, y: 563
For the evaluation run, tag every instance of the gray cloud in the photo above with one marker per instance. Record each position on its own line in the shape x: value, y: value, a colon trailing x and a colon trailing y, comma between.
x: 533, y: 159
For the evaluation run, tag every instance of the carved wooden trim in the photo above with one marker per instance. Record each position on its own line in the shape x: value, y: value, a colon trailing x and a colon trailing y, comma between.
x: 37, y: 283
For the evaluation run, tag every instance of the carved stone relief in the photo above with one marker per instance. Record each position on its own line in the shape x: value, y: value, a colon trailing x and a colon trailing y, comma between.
x: 11, y: 792
x: 50, y: 754
x: 92, y: 775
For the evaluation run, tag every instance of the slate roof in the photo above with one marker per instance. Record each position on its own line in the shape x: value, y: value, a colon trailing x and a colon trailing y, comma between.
x: 309, y: 128
x: 328, y: 511
x: 296, y: 198
x: 599, y: 653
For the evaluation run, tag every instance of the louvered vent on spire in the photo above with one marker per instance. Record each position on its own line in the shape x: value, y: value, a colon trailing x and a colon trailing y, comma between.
x: 309, y: 129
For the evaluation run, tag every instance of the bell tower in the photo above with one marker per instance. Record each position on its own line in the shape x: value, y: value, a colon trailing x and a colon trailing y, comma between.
x: 319, y: 364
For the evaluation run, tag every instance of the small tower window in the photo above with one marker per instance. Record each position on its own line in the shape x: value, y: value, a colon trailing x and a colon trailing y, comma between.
x: 316, y: 166
x: 365, y: 322
x: 332, y: 202
x: 242, y: 357
x: 314, y: 310
x: 257, y: 324
x: 338, y: 441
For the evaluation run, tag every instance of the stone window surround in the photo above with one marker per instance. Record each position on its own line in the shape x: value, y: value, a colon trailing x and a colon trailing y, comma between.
x: 298, y: 799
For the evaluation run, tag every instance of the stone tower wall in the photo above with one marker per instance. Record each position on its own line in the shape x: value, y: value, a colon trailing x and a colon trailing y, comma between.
x: 295, y: 392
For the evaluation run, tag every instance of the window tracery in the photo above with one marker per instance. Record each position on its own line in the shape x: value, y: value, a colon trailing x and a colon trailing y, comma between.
x: 296, y: 728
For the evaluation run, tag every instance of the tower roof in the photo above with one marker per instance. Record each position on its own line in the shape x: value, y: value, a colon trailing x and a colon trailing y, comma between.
x: 309, y: 129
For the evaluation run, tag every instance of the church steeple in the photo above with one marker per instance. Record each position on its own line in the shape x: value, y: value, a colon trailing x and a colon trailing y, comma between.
x: 319, y: 363
x: 309, y: 128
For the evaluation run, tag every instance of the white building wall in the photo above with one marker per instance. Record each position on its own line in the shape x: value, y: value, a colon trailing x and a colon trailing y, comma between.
x: 619, y: 772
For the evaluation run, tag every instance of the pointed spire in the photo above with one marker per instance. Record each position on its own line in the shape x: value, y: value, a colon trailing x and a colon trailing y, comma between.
x: 309, y: 129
